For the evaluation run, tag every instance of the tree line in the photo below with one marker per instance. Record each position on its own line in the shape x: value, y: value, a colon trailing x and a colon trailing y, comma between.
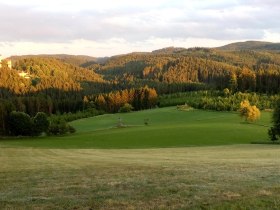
x: 141, y: 98
x: 218, y: 100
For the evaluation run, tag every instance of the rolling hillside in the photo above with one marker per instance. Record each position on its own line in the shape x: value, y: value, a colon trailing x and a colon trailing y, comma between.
x: 178, y: 69
x: 213, y: 67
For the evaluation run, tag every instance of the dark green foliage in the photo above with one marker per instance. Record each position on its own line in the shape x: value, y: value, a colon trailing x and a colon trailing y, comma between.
x: 20, y: 124
x: 5, y: 108
x: 68, y: 117
x: 274, y: 132
x: 276, y: 116
x: 41, y: 123
x: 58, y: 128
x: 126, y: 108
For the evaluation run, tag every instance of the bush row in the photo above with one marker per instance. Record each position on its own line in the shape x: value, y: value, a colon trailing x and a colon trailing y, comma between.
x: 218, y: 100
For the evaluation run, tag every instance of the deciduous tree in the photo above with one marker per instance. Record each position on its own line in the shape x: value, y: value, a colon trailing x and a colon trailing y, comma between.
x: 250, y: 113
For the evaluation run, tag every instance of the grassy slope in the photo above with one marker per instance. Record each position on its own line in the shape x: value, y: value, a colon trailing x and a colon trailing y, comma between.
x: 167, y: 127
x: 221, y: 177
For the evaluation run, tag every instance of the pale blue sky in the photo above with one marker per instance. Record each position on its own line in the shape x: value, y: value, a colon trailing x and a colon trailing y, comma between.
x: 109, y: 27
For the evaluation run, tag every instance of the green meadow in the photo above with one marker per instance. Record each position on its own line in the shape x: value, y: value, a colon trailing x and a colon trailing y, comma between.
x: 180, y: 160
x: 167, y: 127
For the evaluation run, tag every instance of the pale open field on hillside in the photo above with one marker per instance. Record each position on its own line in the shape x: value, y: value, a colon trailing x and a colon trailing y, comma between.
x: 219, y: 177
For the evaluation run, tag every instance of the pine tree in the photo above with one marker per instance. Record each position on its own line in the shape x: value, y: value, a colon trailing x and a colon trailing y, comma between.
x: 274, y: 131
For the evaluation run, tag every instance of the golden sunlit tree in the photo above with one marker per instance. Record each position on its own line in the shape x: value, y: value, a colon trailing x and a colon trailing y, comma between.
x: 250, y: 113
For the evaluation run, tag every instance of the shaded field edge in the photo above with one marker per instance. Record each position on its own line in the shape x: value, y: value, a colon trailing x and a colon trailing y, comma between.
x: 266, y: 142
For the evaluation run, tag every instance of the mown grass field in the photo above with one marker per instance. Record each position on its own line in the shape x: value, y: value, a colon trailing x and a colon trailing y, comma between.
x: 219, y: 177
x: 181, y: 160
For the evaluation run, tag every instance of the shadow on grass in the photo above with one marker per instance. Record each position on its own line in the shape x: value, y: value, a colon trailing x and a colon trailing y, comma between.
x: 253, y: 123
x: 266, y: 142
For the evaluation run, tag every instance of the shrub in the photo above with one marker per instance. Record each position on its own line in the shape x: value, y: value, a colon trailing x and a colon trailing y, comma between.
x: 126, y: 108
x: 60, y: 127
x: 184, y: 107
x: 20, y: 123
x: 226, y: 92
x: 68, y: 117
x: 41, y: 123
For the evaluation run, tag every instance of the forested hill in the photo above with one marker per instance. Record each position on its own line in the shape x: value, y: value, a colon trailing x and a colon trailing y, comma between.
x: 169, y: 50
x: 251, y: 45
x: 168, y: 70
x: 244, y: 70
x: 77, y: 60
x: 41, y: 73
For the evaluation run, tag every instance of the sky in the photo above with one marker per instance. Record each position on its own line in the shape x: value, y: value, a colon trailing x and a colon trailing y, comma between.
x: 110, y: 27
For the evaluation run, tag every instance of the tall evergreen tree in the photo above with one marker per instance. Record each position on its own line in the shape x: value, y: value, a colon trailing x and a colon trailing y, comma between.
x: 274, y: 131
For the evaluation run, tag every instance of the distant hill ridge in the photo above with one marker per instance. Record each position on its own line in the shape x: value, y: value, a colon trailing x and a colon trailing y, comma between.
x: 85, y: 61
x: 169, y: 50
x: 76, y: 60
x: 251, y: 45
